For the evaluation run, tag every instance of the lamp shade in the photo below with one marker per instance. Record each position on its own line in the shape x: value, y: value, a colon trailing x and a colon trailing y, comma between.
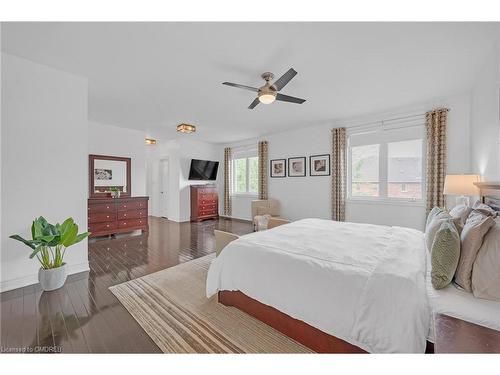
x: 461, y: 184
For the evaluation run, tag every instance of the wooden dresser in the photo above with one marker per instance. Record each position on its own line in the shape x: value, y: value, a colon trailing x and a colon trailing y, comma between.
x: 117, y: 215
x: 204, y: 202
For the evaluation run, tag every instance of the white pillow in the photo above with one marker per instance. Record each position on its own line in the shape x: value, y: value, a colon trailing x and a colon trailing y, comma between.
x: 461, y: 212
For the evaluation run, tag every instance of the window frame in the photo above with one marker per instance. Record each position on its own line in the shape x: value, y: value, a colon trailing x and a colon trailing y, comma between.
x: 243, y: 153
x: 383, y: 137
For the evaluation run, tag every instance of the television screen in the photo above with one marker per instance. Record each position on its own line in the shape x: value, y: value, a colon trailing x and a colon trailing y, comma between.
x: 203, y: 169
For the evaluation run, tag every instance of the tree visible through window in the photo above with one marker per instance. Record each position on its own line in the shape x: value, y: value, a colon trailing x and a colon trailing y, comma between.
x: 245, y: 176
x: 365, y: 171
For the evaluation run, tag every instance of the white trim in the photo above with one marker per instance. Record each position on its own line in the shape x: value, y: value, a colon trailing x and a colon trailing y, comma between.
x: 387, y: 201
x: 23, y: 281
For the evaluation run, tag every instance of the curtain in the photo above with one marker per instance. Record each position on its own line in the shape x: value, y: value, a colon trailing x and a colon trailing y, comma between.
x: 263, y: 170
x: 339, y: 173
x: 435, y: 122
x: 227, y: 182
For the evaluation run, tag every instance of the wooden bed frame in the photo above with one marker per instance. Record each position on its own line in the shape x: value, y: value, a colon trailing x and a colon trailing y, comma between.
x: 298, y: 330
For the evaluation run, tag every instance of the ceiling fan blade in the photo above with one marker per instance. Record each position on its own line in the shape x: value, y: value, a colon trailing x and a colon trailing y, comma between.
x: 241, y: 86
x: 290, y: 99
x: 254, y: 103
x: 284, y: 79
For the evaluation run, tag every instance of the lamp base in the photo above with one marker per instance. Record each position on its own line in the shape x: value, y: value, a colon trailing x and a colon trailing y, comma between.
x: 463, y: 200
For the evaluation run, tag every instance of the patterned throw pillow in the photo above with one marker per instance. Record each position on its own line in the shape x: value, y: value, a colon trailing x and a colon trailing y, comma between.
x: 445, y: 254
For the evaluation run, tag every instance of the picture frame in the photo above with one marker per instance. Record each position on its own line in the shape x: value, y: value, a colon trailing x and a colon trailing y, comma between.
x: 319, y: 165
x: 297, y: 166
x: 278, y: 168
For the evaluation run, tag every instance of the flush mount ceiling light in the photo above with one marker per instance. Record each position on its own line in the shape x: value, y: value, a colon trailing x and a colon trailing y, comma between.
x: 150, y: 141
x: 186, y: 128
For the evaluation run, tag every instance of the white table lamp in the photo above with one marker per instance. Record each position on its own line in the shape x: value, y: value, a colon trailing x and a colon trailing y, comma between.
x: 461, y: 185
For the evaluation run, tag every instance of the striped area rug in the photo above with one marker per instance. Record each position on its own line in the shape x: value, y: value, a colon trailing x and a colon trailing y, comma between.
x: 171, y: 306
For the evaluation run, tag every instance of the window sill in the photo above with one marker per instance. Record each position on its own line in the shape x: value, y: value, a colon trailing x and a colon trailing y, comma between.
x: 244, y: 195
x: 387, y: 201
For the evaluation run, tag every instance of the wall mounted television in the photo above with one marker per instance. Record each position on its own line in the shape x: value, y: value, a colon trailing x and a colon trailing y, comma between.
x: 203, y: 170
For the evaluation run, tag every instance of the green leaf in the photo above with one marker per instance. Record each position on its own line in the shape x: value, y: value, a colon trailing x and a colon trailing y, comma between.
x: 66, y: 225
x: 36, y: 251
x: 81, y: 237
x: 24, y: 241
x: 69, y: 236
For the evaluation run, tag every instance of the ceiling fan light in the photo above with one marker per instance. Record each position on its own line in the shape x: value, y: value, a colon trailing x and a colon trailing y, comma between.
x: 267, y: 98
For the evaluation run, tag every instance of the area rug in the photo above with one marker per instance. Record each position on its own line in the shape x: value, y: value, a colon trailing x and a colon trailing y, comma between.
x: 171, y: 306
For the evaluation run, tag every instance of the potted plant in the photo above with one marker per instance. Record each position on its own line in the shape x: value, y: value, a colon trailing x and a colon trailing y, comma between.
x: 114, y: 191
x: 49, y: 243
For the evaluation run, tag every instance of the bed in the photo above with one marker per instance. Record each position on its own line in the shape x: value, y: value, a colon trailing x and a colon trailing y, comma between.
x: 316, y: 282
x: 344, y: 287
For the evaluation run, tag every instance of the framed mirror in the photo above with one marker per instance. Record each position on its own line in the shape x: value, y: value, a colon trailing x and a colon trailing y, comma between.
x: 109, y: 174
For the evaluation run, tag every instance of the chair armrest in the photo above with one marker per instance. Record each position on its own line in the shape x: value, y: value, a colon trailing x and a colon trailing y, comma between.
x: 222, y: 239
x: 276, y: 222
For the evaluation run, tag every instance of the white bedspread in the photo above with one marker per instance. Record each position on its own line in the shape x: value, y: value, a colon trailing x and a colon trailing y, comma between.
x: 362, y: 283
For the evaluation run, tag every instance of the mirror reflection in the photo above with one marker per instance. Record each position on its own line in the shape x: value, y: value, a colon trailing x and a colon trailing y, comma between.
x: 110, y: 175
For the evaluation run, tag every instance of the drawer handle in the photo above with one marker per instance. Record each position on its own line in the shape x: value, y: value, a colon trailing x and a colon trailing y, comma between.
x: 107, y: 225
x: 124, y: 206
x: 124, y: 223
x: 140, y: 221
x: 124, y: 214
x: 107, y: 206
x: 107, y: 216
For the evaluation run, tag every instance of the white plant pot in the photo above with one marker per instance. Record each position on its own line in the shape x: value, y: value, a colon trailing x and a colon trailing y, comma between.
x: 53, y: 278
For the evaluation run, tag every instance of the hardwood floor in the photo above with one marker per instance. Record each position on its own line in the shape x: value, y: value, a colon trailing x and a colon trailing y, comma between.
x: 84, y: 316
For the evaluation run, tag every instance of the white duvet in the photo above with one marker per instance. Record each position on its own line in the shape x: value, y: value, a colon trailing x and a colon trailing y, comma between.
x: 362, y: 283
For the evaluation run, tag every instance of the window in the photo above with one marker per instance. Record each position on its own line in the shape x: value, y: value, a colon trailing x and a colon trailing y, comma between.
x: 387, y: 164
x: 245, y: 171
x: 404, y: 169
x: 365, y: 171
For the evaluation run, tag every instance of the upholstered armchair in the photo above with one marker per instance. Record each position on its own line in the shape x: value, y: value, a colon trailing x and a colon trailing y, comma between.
x: 265, y: 211
x: 265, y: 207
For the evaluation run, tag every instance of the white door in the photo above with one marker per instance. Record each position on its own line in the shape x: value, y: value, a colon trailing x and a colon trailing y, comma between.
x: 163, y: 187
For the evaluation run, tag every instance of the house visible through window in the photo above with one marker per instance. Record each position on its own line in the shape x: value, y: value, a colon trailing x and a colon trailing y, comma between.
x: 386, y: 164
x: 245, y: 171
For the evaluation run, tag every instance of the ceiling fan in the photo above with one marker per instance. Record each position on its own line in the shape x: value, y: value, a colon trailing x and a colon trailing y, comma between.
x: 269, y: 92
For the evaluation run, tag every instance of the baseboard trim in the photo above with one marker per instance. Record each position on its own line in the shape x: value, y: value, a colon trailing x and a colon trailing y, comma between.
x: 235, y: 219
x: 21, y: 282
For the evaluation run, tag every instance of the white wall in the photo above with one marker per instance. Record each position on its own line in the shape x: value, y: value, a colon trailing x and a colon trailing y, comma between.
x: 112, y: 140
x: 485, y: 119
x: 308, y: 196
x: 179, y: 154
x: 44, y: 161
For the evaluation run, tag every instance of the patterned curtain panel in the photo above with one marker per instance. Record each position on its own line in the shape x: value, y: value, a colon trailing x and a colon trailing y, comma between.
x: 228, y: 210
x: 339, y: 173
x: 436, y: 156
x: 263, y: 170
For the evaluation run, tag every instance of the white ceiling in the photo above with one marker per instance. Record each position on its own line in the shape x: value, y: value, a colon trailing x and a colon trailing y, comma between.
x: 153, y: 76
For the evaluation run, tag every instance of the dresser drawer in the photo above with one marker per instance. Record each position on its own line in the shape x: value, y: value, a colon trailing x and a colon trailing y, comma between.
x: 131, y: 205
x: 208, y: 212
x: 132, y: 223
x: 101, y: 207
x: 133, y: 214
x: 101, y: 217
x: 102, y: 227
x: 207, y: 201
x: 207, y: 207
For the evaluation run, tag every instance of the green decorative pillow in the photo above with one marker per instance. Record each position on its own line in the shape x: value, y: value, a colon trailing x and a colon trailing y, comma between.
x: 445, y: 254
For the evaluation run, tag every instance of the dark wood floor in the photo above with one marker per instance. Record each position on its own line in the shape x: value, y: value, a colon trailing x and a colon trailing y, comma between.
x: 84, y: 316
